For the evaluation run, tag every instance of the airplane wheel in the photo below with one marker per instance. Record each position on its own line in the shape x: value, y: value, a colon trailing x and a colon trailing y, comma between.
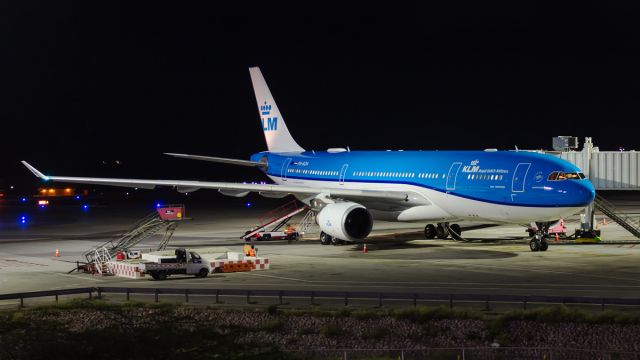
x: 544, y: 246
x: 325, y: 239
x: 534, y: 245
x: 430, y: 231
x: 456, y: 229
x: 335, y: 241
x: 441, y: 232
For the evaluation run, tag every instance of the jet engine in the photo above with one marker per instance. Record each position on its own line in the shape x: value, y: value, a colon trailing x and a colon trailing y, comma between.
x: 345, y: 221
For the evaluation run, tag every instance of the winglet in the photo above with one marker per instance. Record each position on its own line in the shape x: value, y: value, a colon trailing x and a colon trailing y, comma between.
x: 35, y: 171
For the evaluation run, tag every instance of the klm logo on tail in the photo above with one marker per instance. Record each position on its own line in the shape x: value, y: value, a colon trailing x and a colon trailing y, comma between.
x: 268, y: 123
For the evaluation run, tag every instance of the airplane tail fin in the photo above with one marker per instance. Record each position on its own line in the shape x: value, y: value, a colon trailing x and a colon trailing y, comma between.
x: 275, y: 130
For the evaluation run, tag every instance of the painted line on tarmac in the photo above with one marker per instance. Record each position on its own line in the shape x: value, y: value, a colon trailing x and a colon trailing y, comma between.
x: 461, y: 266
x: 533, y: 269
x: 78, y: 277
x: 278, y: 277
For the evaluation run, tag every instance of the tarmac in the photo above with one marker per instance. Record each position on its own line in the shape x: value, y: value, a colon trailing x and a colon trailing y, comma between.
x: 399, y: 259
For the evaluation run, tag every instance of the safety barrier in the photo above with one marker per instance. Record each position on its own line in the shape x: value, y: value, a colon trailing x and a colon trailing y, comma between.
x: 249, y: 264
x: 412, y: 298
x: 124, y: 269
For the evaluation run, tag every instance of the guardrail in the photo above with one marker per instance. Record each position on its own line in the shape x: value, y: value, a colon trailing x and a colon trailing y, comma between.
x: 281, y: 295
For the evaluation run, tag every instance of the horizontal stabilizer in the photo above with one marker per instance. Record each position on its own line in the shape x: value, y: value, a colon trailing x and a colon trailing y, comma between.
x: 216, y: 159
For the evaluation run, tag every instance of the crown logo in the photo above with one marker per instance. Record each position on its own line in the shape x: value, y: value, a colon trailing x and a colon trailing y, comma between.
x: 265, y: 109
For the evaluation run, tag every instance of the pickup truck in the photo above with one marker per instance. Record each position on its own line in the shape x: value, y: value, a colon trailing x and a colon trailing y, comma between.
x: 185, y: 263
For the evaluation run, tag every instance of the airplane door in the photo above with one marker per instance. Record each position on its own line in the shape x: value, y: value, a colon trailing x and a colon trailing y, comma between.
x: 285, y: 168
x: 519, y: 176
x: 453, y: 174
x: 343, y: 173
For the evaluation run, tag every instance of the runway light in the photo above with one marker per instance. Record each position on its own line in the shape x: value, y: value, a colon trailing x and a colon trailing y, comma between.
x: 43, y: 203
x: 248, y: 204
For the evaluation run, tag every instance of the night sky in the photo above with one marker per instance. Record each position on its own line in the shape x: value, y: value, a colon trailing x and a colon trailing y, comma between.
x: 96, y: 82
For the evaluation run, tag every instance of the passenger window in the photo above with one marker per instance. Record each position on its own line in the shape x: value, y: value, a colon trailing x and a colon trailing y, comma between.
x: 553, y: 176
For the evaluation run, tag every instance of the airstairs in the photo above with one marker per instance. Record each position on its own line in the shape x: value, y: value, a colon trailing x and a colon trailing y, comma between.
x: 308, y: 223
x: 607, y: 208
x: 165, y: 218
x: 277, y: 218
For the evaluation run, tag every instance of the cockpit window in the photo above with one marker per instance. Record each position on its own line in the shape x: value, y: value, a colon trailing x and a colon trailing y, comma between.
x: 560, y: 175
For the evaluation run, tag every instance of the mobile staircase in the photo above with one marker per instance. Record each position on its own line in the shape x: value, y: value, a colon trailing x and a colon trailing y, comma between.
x: 624, y: 220
x: 277, y: 218
x: 308, y: 223
x: 165, y: 218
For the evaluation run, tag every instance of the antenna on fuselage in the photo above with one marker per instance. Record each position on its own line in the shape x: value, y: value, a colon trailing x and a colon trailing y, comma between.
x: 516, y: 148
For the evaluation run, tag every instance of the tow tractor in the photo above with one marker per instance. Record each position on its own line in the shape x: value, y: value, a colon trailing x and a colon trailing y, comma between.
x: 184, y: 262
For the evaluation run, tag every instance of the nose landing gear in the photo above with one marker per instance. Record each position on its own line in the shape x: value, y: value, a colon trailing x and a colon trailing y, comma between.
x: 538, y: 242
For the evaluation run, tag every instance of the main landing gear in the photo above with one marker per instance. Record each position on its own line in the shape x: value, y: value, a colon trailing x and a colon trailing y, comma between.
x: 440, y: 231
x: 326, y: 239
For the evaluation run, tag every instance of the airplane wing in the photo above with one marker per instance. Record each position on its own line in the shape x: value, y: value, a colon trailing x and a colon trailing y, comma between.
x: 227, y: 188
x: 216, y: 159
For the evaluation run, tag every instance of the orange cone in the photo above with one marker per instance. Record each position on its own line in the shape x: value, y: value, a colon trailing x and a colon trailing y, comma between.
x: 57, y: 252
x: 364, y: 249
x: 557, y: 239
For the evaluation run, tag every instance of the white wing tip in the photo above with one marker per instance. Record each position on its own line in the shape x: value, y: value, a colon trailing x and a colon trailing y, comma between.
x: 35, y: 171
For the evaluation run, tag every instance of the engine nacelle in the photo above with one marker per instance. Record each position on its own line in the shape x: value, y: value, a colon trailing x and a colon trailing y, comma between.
x: 345, y: 221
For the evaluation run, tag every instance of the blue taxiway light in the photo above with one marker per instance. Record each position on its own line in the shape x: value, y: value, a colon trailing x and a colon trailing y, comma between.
x: 23, y: 199
x: 85, y: 207
x: 77, y: 197
x: 23, y: 219
x: 158, y: 205
x: 247, y: 204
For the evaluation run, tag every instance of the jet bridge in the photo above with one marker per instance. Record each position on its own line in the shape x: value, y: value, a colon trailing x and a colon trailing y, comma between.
x: 607, y: 170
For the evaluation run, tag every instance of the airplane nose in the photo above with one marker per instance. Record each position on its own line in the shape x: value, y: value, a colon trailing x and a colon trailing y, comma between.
x: 585, y: 192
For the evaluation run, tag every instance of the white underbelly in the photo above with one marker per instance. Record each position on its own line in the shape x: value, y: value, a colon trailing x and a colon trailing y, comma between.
x: 446, y: 207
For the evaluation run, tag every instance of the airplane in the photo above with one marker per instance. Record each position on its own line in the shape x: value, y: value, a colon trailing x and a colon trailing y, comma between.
x: 347, y: 189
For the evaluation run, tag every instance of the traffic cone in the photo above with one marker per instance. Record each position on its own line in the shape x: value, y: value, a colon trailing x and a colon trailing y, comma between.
x: 57, y: 252
x: 364, y: 249
x: 557, y: 239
